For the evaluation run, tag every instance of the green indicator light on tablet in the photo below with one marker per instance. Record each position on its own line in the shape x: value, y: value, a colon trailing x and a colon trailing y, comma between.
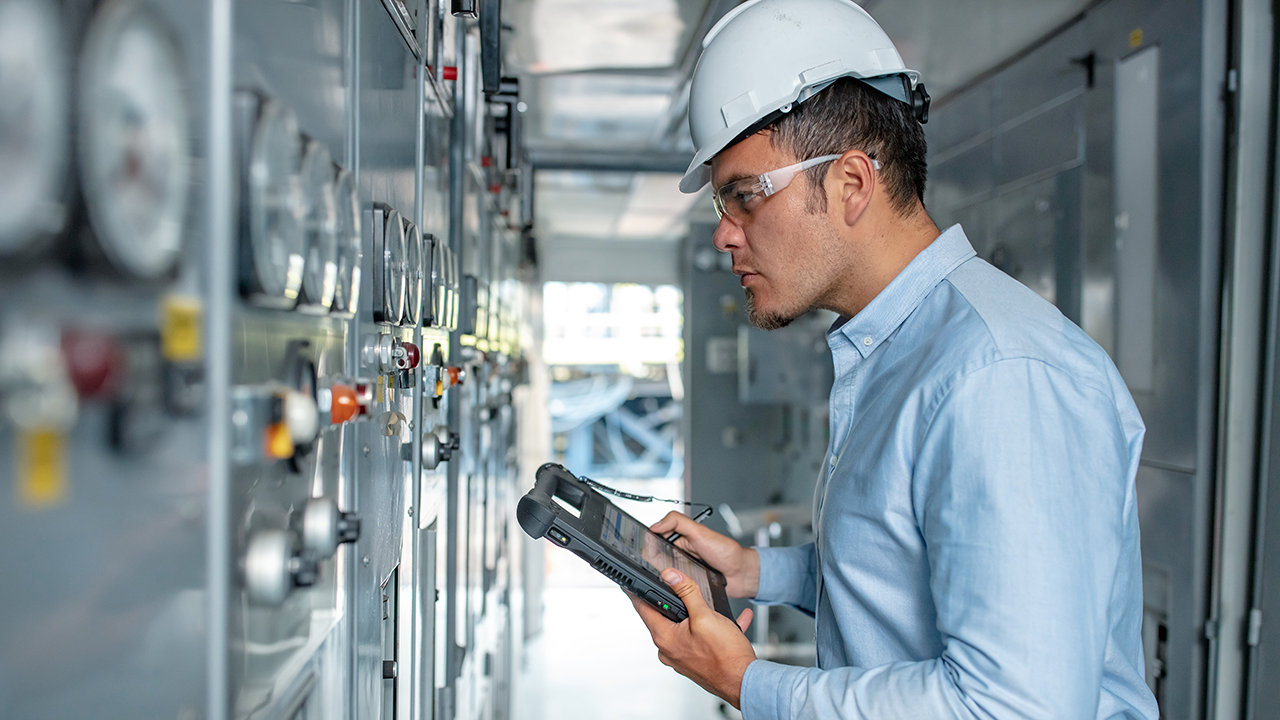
x: 666, y: 606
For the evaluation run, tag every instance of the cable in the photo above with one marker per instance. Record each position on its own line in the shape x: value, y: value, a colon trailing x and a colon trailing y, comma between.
x: 639, y: 498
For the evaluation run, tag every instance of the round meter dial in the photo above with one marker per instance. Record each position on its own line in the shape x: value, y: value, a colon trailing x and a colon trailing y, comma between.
x: 413, y: 274
x: 320, y: 270
x: 346, y: 289
x: 450, y: 289
x: 33, y: 123
x: 436, y: 283
x: 276, y: 206
x: 135, y: 160
x: 391, y: 267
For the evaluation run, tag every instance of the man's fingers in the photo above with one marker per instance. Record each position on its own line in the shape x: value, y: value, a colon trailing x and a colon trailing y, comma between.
x: 745, y: 618
x: 668, y: 523
x: 655, y: 621
x: 687, y: 590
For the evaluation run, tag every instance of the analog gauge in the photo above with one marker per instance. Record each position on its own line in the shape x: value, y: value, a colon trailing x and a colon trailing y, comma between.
x: 389, y: 266
x: 445, y: 299
x: 446, y: 292
x: 135, y: 160
x: 276, y: 208
x: 346, y: 290
x: 451, y: 289
x: 414, y: 267
x: 33, y: 123
x: 320, y: 270
x: 431, y: 280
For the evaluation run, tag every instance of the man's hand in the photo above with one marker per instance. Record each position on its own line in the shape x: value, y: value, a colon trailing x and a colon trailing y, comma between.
x: 740, y: 566
x: 707, y: 647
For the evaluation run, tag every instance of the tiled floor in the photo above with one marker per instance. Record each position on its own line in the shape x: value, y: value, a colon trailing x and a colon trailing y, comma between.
x: 594, y: 659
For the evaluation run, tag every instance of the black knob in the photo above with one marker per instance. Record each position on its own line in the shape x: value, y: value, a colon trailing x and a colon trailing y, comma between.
x: 305, y: 570
x: 348, y: 527
x: 388, y: 669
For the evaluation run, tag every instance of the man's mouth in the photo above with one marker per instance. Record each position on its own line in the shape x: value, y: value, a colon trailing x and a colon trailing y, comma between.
x: 745, y: 273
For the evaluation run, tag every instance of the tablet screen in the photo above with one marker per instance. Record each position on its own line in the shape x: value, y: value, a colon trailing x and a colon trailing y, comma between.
x: 623, y: 533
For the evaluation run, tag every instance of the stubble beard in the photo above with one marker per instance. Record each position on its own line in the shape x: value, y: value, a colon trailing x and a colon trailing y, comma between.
x: 763, y: 320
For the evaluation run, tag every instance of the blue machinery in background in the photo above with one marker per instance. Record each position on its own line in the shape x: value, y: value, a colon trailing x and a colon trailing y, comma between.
x: 608, y: 433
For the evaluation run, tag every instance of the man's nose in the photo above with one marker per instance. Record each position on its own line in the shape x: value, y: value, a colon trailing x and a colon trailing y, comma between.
x: 728, y: 235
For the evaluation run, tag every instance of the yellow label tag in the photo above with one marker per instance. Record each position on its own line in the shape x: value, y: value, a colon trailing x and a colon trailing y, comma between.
x: 381, y: 395
x: 1135, y: 38
x: 278, y: 442
x: 180, y: 328
x: 42, y: 468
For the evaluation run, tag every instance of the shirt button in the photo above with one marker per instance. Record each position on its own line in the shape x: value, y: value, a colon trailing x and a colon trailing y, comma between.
x: 867, y: 341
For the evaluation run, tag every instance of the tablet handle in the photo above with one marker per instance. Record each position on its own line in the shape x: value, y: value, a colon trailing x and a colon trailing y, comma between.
x: 536, y: 510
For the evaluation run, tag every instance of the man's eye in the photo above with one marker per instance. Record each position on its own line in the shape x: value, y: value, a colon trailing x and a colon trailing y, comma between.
x: 746, y: 199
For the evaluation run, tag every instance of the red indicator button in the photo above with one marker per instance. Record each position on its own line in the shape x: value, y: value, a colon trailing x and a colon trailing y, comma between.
x: 346, y: 405
x: 95, y: 362
x: 412, y: 356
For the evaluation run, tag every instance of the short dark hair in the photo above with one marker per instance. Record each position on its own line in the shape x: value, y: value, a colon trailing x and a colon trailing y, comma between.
x: 852, y: 115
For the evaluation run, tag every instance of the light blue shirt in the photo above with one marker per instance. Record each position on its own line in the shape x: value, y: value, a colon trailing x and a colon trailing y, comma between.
x: 976, y: 551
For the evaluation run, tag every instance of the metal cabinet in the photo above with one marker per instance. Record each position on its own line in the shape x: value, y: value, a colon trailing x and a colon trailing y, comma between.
x: 232, y: 378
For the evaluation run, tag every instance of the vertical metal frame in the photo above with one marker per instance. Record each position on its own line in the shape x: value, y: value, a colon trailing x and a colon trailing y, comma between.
x: 1243, y: 306
x: 221, y: 278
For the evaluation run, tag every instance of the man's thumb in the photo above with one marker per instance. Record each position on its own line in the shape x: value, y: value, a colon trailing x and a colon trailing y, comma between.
x: 686, y: 589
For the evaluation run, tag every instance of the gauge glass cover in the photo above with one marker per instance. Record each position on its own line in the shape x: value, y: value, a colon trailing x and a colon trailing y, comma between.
x: 434, y: 301
x: 449, y: 298
x: 276, y: 203
x: 346, y: 290
x: 135, y: 158
x: 394, y: 267
x: 413, y: 274
x: 320, y: 270
x: 455, y: 295
x: 33, y: 122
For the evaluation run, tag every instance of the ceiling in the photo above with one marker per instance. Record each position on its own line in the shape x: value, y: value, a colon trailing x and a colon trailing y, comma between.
x: 607, y: 79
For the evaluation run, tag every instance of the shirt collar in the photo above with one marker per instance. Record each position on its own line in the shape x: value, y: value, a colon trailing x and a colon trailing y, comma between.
x: 903, y: 295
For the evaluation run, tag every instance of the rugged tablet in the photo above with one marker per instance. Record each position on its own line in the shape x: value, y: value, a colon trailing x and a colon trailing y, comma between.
x: 613, y: 542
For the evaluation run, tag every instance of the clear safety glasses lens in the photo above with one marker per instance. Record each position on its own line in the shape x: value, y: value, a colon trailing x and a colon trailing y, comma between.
x: 738, y: 198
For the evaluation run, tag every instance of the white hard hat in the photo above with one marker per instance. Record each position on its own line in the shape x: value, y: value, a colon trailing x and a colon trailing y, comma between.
x: 767, y: 55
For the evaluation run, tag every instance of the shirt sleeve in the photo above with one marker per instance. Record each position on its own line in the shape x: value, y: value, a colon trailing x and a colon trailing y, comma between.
x: 789, y: 576
x: 1021, y: 486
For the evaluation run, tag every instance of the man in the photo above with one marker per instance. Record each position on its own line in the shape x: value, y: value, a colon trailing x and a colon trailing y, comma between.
x: 976, y: 549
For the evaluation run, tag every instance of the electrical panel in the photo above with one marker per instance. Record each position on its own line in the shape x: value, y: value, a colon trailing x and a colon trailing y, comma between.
x: 261, y: 456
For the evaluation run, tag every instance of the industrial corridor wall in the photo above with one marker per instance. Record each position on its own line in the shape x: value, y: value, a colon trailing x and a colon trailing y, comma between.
x: 1090, y: 168
x: 261, y: 319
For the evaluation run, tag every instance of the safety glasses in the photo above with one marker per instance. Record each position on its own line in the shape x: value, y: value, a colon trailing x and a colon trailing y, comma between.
x: 739, y: 198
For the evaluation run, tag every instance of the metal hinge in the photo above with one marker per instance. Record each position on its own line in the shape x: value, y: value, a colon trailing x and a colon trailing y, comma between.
x: 1210, y: 629
x: 1255, y: 627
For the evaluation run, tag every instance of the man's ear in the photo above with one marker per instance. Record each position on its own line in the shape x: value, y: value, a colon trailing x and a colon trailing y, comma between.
x: 855, y: 182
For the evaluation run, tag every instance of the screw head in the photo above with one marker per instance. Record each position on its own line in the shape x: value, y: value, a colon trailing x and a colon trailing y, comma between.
x: 365, y: 560
x: 366, y: 451
x: 410, y: 511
